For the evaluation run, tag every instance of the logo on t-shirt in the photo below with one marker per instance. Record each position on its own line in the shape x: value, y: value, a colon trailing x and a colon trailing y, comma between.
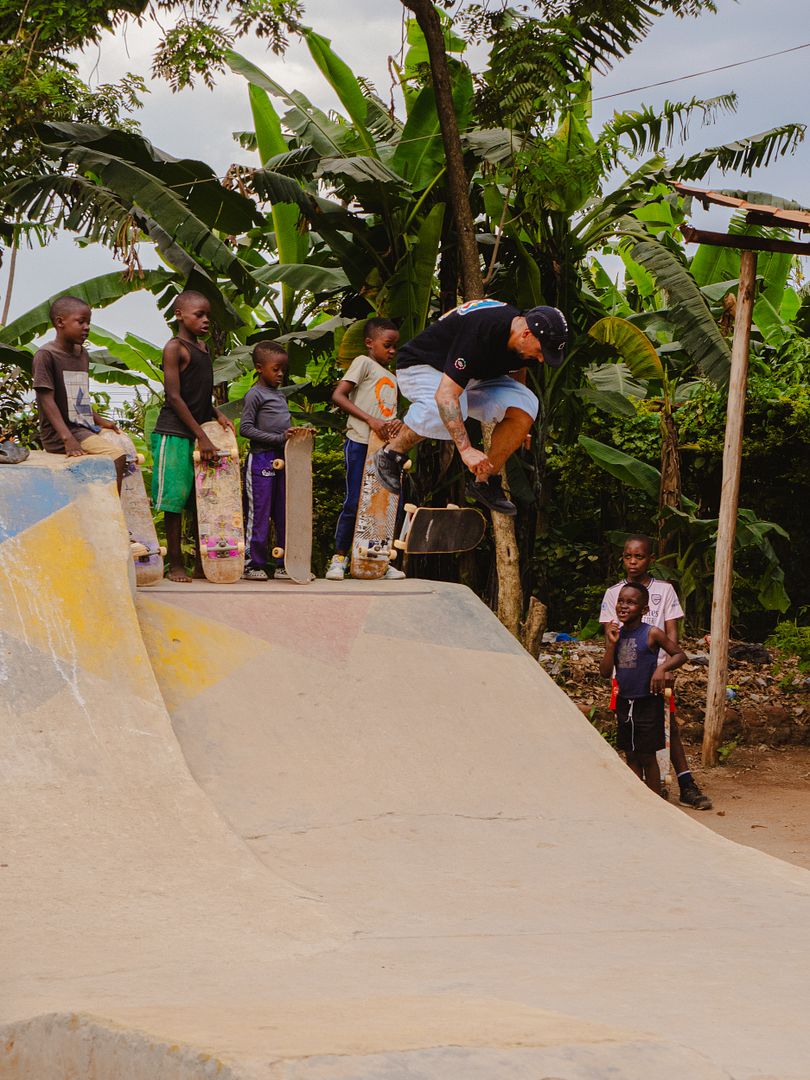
x: 80, y: 407
x: 385, y: 391
x: 460, y: 364
x: 655, y: 598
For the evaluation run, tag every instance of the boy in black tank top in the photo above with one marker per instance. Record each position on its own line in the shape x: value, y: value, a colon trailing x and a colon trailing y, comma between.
x: 188, y: 378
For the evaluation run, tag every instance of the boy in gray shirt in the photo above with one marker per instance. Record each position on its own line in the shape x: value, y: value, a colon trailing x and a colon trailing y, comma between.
x: 266, y: 422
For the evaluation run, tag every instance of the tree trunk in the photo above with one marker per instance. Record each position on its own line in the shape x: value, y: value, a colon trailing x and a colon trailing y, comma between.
x: 472, y: 281
x: 12, y: 266
x: 534, y: 627
x: 670, y: 492
x: 507, y: 560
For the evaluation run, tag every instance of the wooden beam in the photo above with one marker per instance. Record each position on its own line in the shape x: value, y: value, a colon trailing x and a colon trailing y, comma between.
x: 743, y: 243
x: 727, y: 523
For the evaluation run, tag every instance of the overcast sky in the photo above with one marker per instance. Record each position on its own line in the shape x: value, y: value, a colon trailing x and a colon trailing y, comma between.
x: 365, y: 33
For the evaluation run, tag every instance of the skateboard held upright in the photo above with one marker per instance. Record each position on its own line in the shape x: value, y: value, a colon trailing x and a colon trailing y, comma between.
x: 220, y: 524
x: 297, y: 466
x: 429, y: 530
x: 146, y: 552
x: 376, y: 521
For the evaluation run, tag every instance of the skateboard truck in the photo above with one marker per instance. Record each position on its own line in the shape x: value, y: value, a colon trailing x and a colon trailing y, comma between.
x: 143, y: 552
x: 410, y: 509
x: 374, y: 549
x: 223, y: 549
x: 233, y: 454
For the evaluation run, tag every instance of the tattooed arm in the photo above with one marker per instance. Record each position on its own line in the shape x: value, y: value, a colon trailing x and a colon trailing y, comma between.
x: 449, y: 405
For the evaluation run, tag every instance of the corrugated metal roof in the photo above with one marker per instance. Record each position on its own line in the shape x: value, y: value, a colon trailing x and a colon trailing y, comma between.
x: 757, y: 213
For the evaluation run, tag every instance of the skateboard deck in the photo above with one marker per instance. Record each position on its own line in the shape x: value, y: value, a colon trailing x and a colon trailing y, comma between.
x: 429, y: 530
x: 220, y: 525
x: 297, y: 464
x: 148, y: 554
x: 375, y: 522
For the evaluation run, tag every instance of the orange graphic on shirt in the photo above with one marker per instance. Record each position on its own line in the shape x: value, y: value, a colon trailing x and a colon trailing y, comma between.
x: 387, y: 408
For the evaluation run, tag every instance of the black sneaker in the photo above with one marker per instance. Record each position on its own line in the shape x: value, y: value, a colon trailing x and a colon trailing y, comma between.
x: 691, y: 795
x: 491, y: 495
x: 388, y: 465
x: 11, y: 453
x: 664, y: 791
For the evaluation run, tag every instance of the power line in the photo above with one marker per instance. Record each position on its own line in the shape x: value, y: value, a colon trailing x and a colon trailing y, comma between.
x: 708, y: 71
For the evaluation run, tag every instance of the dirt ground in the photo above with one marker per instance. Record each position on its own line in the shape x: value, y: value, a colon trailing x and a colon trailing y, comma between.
x: 761, y: 798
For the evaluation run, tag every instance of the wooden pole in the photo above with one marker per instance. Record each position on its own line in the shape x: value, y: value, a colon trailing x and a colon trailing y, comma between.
x: 727, y: 524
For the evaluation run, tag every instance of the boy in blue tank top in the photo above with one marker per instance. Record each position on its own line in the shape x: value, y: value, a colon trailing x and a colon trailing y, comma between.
x: 632, y: 649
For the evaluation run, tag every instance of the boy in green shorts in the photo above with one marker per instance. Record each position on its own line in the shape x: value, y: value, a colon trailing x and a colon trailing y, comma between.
x: 188, y: 378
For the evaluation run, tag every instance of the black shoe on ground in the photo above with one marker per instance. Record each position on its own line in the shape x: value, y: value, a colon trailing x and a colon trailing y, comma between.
x: 388, y: 465
x: 664, y: 792
x: 11, y: 453
x: 691, y: 795
x: 491, y: 495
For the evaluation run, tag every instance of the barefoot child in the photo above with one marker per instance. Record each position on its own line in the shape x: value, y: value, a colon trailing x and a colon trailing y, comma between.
x: 188, y: 376
x: 266, y: 422
x: 368, y: 393
x: 632, y: 650
x: 664, y: 612
x: 68, y: 423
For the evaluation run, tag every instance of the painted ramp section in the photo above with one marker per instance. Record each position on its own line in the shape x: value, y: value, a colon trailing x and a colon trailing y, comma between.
x: 392, y: 751
x: 369, y: 840
x: 120, y: 885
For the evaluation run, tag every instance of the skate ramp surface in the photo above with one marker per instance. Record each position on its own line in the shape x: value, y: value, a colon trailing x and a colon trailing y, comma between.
x: 343, y: 831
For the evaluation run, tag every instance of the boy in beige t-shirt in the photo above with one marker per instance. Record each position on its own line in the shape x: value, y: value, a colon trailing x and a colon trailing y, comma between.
x: 368, y: 394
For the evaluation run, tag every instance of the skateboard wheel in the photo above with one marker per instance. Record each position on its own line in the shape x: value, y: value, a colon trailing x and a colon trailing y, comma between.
x: 452, y: 506
x: 410, y: 508
x: 278, y: 463
x: 162, y: 551
x: 408, y: 464
x: 240, y: 547
x: 278, y: 553
x: 399, y: 545
x: 139, y: 459
x: 392, y: 554
x: 233, y: 455
x: 196, y: 457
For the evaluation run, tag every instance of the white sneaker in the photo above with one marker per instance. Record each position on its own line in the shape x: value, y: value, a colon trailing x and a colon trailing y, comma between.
x: 337, y: 568
x: 280, y: 574
x: 254, y: 574
x: 392, y: 574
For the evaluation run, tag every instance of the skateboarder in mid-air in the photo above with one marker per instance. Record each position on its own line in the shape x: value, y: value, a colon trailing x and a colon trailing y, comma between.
x: 460, y: 366
x: 267, y: 423
x: 188, y: 377
x: 68, y: 423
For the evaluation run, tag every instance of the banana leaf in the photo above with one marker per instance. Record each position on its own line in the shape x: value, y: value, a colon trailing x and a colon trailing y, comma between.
x: 632, y: 344
x: 342, y: 80
x: 628, y: 469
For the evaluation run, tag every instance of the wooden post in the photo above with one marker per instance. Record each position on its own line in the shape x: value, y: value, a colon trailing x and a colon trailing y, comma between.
x: 727, y: 524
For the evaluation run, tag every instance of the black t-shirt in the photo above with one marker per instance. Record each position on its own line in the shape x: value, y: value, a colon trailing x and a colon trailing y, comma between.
x: 196, y: 389
x: 469, y: 342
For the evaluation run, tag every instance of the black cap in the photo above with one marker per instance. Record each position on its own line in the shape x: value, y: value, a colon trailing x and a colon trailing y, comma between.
x: 550, y: 328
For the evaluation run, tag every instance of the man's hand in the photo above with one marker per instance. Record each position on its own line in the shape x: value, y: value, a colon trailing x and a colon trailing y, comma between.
x: 394, y: 427
x: 612, y: 633
x: 108, y: 425
x: 224, y: 422
x: 477, y: 462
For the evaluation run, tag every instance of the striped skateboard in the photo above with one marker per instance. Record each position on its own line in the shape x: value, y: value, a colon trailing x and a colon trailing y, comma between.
x: 429, y: 530
x: 146, y: 552
x: 297, y: 464
x: 376, y: 521
x: 220, y: 525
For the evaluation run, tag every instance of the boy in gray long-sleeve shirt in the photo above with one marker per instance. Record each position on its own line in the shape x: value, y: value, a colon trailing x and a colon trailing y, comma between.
x: 266, y: 422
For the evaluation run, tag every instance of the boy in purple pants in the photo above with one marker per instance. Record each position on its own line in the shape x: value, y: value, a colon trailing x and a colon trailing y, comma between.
x: 266, y: 422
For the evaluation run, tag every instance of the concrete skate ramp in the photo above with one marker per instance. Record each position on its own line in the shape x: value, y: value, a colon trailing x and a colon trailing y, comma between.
x: 370, y: 840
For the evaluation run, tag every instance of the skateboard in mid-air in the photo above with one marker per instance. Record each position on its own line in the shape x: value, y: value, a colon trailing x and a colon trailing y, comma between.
x: 220, y: 525
x: 146, y: 551
x: 297, y: 466
x: 430, y: 530
x: 376, y: 521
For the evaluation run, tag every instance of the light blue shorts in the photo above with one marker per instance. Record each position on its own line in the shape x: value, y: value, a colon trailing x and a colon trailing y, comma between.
x: 484, y: 399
